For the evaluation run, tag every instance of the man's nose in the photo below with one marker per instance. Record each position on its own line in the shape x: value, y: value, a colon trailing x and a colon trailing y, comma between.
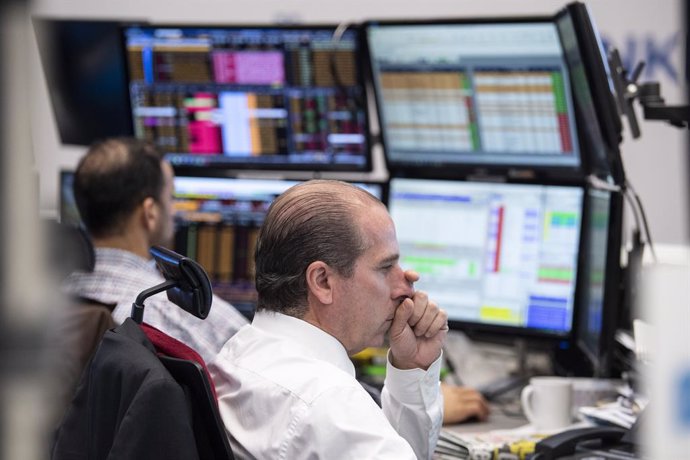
x: 404, y: 287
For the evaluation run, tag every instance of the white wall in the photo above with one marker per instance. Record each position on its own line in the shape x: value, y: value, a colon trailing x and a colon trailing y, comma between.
x: 655, y: 163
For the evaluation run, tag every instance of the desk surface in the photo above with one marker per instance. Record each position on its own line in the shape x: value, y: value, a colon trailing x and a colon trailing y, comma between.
x: 502, y: 417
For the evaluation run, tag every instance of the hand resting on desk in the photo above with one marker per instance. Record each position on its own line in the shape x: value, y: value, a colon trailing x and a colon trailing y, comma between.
x: 462, y: 403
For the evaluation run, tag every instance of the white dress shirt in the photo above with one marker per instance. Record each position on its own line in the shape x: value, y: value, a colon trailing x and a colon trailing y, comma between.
x: 287, y: 390
x: 119, y: 276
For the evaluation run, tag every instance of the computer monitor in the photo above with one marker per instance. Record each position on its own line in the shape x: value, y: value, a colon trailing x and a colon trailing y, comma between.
x: 217, y: 224
x: 84, y: 67
x: 500, y: 258
x: 598, y: 115
x: 478, y: 95
x: 600, y: 281
x: 250, y: 97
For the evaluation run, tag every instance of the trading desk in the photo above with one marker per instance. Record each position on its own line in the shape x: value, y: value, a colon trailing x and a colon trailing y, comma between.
x: 506, y: 426
x: 500, y: 418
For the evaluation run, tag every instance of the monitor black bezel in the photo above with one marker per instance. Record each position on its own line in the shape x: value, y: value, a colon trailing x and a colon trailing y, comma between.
x: 507, y: 334
x: 384, y: 185
x: 222, y: 169
x: 445, y: 170
x: 600, y: 82
x: 82, y: 120
x: 600, y: 361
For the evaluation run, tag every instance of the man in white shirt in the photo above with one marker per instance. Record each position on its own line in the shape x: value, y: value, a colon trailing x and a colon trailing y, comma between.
x: 124, y: 192
x: 329, y: 285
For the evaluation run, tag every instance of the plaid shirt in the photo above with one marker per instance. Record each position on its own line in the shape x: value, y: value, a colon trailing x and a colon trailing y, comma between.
x: 119, y: 276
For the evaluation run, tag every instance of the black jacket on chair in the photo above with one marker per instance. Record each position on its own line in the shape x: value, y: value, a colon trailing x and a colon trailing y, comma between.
x: 127, y: 405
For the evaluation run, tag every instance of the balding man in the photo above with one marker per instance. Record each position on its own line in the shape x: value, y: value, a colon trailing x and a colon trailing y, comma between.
x: 330, y: 284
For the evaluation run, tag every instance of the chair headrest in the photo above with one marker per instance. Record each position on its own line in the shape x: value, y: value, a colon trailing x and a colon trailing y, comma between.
x: 68, y: 248
x: 193, y: 288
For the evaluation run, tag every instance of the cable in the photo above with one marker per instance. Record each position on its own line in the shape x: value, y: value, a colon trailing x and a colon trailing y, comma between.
x: 353, y: 100
x: 633, y: 208
x: 648, y: 234
x: 601, y: 184
x: 335, y: 39
x: 339, y: 31
x: 635, y: 204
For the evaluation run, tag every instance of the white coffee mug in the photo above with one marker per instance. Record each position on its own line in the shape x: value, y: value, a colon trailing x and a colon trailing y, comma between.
x: 547, y: 402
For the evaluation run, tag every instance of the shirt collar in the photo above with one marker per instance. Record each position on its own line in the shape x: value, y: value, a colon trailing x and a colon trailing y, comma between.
x: 317, y: 342
x: 122, y: 258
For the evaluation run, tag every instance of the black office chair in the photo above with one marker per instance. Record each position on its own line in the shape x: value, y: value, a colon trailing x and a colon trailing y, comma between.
x: 68, y: 248
x: 145, y: 394
x: 81, y: 324
x: 188, y: 286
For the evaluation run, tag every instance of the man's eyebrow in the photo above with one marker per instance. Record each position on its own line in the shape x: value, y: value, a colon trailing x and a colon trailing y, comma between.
x: 390, y: 259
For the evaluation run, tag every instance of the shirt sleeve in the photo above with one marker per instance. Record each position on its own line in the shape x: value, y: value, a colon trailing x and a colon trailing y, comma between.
x: 413, y: 404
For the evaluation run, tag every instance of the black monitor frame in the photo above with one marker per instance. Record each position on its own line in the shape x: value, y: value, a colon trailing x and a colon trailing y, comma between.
x: 599, y: 358
x: 448, y: 170
x: 384, y: 186
x: 599, y: 80
x: 85, y: 74
x: 225, y: 169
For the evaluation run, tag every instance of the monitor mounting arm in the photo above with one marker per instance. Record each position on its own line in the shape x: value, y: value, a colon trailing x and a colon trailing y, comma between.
x: 648, y: 94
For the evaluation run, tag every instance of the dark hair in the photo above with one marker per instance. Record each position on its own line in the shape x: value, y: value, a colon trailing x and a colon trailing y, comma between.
x: 112, y: 179
x: 309, y: 222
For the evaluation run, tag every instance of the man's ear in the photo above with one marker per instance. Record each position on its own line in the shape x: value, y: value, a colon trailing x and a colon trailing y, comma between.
x: 149, y: 214
x: 320, y: 281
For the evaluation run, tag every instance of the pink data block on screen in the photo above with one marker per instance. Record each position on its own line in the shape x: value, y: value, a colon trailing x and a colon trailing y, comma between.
x: 204, y: 137
x: 249, y: 67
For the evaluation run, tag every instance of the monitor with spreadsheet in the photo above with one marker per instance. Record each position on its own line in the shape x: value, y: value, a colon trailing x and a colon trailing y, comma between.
x: 498, y: 257
x: 249, y: 97
x: 217, y: 223
x: 454, y: 95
